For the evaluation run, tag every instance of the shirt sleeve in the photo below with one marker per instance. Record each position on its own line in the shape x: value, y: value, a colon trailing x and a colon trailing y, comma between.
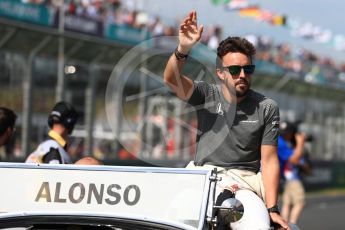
x: 199, y: 94
x: 271, y: 123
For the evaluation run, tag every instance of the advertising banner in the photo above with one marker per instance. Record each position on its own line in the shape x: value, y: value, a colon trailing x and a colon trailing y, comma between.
x: 37, y: 14
x: 125, y: 34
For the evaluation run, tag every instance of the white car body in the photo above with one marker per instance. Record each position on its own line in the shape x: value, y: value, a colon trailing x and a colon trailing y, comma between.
x: 117, y: 198
x: 169, y: 197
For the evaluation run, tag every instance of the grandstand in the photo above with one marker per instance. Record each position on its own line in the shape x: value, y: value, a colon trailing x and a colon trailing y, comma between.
x: 47, y: 55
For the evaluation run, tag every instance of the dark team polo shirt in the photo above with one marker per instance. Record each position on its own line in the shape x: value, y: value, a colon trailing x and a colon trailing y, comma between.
x: 230, y: 135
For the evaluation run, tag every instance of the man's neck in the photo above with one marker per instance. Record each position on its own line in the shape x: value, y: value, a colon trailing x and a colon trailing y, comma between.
x: 228, y: 96
x: 231, y: 97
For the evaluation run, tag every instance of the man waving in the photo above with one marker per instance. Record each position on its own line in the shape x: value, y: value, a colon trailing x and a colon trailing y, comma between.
x: 248, y: 150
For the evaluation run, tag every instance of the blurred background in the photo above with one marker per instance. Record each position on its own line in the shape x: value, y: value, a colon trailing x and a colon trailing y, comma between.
x: 52, y: 50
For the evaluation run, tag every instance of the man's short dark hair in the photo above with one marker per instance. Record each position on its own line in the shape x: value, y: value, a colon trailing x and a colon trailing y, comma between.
x: 234, y: 45
x: 7, y: 119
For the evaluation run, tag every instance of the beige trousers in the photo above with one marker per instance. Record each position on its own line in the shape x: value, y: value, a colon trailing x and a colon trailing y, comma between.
x: 234, y: 179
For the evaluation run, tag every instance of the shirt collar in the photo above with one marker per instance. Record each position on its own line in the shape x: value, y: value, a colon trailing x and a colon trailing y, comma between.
x: 59, y: 139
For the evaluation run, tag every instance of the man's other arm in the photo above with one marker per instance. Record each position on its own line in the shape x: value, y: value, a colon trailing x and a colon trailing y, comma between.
x: 270, y: 177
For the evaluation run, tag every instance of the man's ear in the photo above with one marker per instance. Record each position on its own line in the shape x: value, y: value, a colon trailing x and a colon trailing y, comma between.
x: 221, y: 74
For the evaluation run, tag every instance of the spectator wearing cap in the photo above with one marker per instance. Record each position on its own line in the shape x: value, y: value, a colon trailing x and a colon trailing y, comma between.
x: 290, y: 154
x: 7, y: 122
x: 61, y: 121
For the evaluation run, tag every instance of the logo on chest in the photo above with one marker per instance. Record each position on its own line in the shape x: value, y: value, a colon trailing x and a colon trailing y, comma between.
x: 220, y: 110
x: 249, y: 121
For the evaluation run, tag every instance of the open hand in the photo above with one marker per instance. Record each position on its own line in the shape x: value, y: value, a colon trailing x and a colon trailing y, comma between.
x: 189, y: 33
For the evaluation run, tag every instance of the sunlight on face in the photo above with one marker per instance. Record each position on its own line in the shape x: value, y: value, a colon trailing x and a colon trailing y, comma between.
x: 242, y: 81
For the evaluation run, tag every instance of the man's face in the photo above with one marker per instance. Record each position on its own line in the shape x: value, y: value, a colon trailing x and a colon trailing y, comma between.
x: 240, y: 81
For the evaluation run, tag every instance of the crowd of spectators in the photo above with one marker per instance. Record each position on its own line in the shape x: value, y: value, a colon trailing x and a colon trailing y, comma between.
x: 295, y: 61
x: 300, y: 63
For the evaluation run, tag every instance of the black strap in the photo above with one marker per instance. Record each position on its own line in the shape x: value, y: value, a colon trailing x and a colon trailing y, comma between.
x: 179, y: 55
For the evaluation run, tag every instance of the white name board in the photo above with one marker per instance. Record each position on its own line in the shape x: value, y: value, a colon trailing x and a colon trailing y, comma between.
x: 164, y: 194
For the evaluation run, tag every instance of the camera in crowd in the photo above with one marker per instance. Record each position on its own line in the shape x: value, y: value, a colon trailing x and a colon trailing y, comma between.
x: 291, y: 128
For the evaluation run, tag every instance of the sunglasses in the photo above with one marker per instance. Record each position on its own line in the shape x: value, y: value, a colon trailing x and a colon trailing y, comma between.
x: 236, y: 69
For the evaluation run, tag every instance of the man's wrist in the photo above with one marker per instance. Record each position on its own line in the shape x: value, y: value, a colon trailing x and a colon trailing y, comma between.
x: 180, y: 55
x: 182, y: 50
x: 273, y: 209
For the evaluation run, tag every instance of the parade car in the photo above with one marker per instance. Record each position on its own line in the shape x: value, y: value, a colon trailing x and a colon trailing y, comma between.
x: 41, y: 196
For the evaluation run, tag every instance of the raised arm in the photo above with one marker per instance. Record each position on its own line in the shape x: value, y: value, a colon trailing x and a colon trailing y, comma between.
x: 189, y: 35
